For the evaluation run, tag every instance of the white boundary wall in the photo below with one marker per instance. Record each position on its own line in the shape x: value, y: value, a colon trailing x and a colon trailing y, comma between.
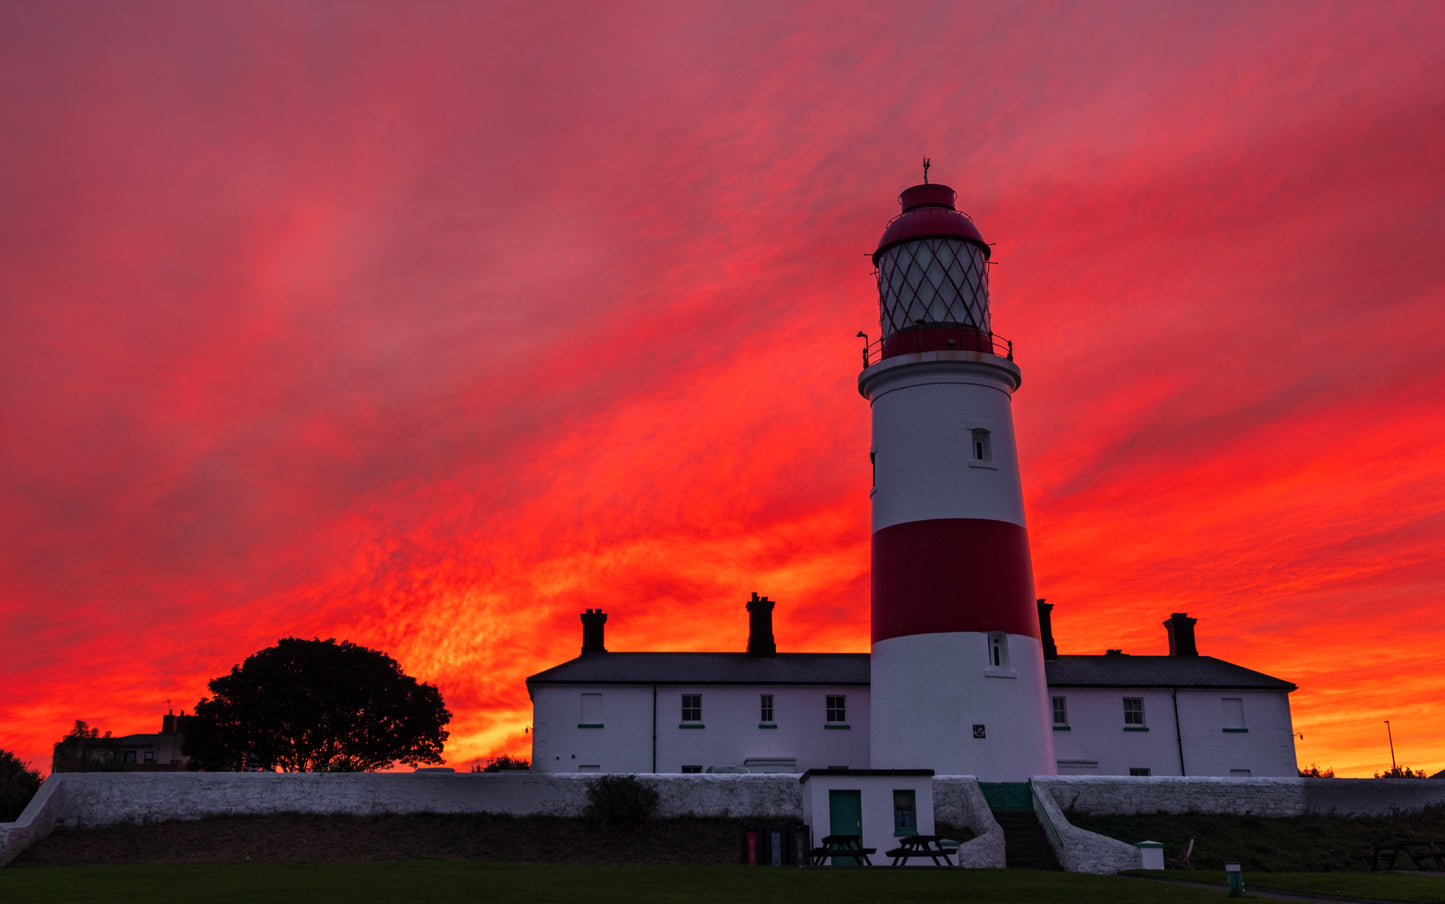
x: 98, y: 799
x: 1088, y: 852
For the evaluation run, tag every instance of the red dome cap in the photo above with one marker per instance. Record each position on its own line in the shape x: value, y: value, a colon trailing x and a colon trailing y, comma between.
x: 928, y: 212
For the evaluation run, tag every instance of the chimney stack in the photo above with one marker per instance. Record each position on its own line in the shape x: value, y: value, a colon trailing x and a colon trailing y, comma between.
x: 1181, y: 635
x: 592, y: 622
x: 1046, y: 630
x: 760, y: 627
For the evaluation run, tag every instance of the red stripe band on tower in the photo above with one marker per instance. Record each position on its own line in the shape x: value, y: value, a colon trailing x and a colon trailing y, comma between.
x: 952, y: 574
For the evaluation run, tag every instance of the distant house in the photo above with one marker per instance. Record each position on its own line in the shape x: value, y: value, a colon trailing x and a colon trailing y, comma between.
x: 1110, y: 714
x: 159, y: 752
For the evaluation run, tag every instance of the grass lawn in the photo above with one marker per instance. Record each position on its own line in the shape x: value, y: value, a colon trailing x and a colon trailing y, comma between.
x: 1417, y: 888
x: 435, y: 881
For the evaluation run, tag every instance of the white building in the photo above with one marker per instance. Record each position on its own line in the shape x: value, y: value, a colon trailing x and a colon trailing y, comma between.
x: 686, y: 712
x: 1111, y: 714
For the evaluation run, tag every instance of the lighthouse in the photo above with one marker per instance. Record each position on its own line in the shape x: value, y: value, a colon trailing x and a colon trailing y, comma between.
x: 957, y: 662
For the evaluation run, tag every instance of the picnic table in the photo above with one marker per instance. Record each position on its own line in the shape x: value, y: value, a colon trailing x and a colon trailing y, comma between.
x: 931, y: 846
x: 1424, y: 854
x: 835, y: 846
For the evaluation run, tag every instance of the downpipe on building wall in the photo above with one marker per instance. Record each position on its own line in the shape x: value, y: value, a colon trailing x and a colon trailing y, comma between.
x: 1178, y: 732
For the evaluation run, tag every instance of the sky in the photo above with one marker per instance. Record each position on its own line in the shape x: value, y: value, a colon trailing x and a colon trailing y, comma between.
x: 428, y: 326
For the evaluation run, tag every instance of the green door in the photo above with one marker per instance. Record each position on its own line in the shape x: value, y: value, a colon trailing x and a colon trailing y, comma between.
x: 845, y: 817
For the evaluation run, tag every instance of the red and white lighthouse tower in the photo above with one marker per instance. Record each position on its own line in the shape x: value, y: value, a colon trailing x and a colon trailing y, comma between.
x: 957, y: 663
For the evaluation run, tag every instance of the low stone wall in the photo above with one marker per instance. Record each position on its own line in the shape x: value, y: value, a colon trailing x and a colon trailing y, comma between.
x: 99, y: 799
x: 1078, y: 850
x: 1253, y: 796
x: 957, y: 799
x: 37, y: 820
x: 1089, y: 852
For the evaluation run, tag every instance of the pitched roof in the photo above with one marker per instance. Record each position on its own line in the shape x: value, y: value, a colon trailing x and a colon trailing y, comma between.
x: 709, y: 668
x: 1156, y: 671
x: 853, y: 669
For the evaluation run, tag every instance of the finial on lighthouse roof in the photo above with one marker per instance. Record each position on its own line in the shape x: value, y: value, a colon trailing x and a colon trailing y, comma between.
x: 926, y: 164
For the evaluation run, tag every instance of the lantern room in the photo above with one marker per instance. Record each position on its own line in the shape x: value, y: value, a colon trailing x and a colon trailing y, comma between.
x: 932, y: 269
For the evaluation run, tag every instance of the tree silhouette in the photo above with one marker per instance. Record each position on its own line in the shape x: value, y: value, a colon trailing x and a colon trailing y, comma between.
x: 18, y: 783
x: 317, y: 706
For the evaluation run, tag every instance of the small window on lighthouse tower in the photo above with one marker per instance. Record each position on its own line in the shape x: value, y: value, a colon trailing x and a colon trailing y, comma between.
x: 980, y: 447
x: 997, y: 650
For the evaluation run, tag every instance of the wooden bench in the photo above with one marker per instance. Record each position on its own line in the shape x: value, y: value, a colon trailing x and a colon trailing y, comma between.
x: 1424, y: 854
x: 835, y: 846
x: 1422, y: 851
x: 931, y: 846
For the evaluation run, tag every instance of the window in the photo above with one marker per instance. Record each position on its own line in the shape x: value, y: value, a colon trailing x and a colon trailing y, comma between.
x: 150, y: 756
x: 765, y: 708
x: 591, y: 711
x: 837, y: 708
x: 982, y: 447
x: 692, y: 707
x: 1138, y: 770
x: 980, y: 444
x: 1133, y: 712
x: 127, y: 756
x: 593, y: 767
x: 905, y: 813
x: 1061, y: 712
x: 997, y: 650
x: 1239, y: 773
x: 1234, y: 714
x: 691, y: 770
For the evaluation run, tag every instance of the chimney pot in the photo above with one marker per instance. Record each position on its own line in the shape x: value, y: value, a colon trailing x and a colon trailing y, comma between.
x: 1181, y: 635
x: 592, y: 622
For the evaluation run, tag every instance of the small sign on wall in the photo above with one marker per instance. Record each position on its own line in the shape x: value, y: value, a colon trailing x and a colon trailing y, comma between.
x: 978, y: 731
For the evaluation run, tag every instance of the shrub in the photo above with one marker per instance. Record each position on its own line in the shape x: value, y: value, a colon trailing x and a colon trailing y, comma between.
x: 504, y: 763
x: 620, y: 800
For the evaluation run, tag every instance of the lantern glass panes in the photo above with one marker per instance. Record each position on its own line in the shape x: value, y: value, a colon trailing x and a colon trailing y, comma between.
x: 933, y: 281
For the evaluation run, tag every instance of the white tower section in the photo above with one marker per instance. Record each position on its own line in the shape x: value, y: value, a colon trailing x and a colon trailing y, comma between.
x: 957, y: 663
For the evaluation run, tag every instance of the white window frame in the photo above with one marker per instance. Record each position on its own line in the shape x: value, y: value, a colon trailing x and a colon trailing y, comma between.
x: 997, y: 652
x: 980, y: 444
x: 1134, y: 717
x: 695, y: 707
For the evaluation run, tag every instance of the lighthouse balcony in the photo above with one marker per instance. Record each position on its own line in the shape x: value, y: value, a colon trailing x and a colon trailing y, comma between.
x: 937, y: 338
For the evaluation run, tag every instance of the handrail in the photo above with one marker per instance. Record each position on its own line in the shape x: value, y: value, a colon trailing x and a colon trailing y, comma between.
x: 1048, y: 820
x: 936, y: 338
